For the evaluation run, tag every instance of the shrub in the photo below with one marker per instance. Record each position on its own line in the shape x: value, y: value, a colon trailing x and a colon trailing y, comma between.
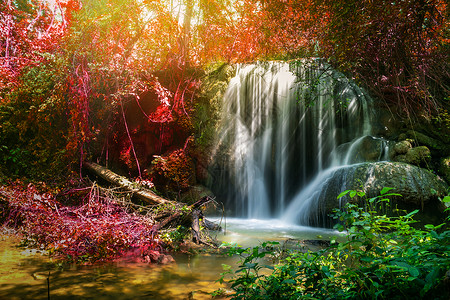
x: 174, y: 170
x: 380, y: 258
x: 99, y: 229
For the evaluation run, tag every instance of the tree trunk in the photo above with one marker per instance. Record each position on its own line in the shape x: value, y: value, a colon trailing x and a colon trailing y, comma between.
x: 140, y: 192
x: 190, y: 214
x: 186, y: 32
x: 196, y: 213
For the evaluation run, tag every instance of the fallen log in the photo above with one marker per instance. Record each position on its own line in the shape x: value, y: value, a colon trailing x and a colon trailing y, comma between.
x: 186, y: 213
x: 195, y: 228
x: 140, y: 192
x: 193, y: 216
x: 180, y: 213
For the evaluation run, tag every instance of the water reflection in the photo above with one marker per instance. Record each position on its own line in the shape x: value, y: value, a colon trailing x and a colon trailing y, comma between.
x: 23, y: 274
x: 25, y: 277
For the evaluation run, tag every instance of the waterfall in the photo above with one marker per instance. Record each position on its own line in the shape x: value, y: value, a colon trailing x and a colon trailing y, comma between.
x: 283, y: 125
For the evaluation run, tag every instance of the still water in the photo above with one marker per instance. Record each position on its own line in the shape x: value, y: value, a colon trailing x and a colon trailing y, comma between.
x: 27, y: 274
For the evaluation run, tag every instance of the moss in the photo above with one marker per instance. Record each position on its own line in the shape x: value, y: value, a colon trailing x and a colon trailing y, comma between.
x: 419, y: 156
x: 444, y: 168
x: 209, y: 103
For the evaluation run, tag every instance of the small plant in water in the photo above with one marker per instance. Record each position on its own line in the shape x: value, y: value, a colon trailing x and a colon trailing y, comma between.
x: 381, y: 257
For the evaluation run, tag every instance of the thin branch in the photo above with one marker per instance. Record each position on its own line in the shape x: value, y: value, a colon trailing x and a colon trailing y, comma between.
x: 131, y: 141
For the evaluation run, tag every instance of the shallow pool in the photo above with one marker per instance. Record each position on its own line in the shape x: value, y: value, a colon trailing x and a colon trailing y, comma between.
x: 30, y: 274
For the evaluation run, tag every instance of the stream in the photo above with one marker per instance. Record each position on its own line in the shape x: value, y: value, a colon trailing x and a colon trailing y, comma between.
x: 24, y: 272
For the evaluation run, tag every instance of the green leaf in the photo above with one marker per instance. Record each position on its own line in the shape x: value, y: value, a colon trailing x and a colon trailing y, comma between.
x: 413, y: 271
x: 353, y: 194
x: 393, y: 194
x: 367, y: 259
x: 361, y: 194
x: 432, y: 275
x: 343, y: 194
x: 250, y: 265
x: 434, y: 234
x: 446, y: 199
x: 289, y: 281
x: 412, y: 213
x: 385, y: 190
x: 401, y: 265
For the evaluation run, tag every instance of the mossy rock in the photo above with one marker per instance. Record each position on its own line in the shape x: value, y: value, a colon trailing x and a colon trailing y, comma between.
x: 444, y: 168
x: 425, y: 140
x: 419, y: 156
x: 209, y: 104
x: 402, y: 147
x: 419, y: 187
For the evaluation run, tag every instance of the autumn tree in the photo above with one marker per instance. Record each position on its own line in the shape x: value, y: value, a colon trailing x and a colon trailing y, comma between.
x: 28, y: 30
x: 32, y: 111
x: 398, y: 49
x: 120, y: 52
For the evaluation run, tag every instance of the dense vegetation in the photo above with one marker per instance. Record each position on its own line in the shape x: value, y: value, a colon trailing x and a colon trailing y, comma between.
x: 79, y: 78
x: 96, y: 229
x: 381, y: 257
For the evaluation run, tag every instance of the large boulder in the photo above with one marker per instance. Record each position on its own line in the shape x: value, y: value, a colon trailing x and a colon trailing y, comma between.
x: 417, y: 186
x: 419, y: 189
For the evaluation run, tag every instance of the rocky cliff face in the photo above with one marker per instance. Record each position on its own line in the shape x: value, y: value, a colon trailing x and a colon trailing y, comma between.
x: 422, y: 140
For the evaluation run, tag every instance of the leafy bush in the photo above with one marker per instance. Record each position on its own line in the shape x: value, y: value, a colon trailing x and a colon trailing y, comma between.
x: 173, y: 171
x: 98, y: 229
x: 381, y: 258
x: 33, y: 125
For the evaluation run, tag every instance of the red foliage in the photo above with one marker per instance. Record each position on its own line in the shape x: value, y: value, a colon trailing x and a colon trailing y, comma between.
x: 291, y: 27
x: 175, y: 170
x: 396, y: 48
x: 97, y: 230
x: 28, y: 30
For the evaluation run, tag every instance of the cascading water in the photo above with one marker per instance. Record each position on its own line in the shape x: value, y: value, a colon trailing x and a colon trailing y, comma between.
x: 283, y: 126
